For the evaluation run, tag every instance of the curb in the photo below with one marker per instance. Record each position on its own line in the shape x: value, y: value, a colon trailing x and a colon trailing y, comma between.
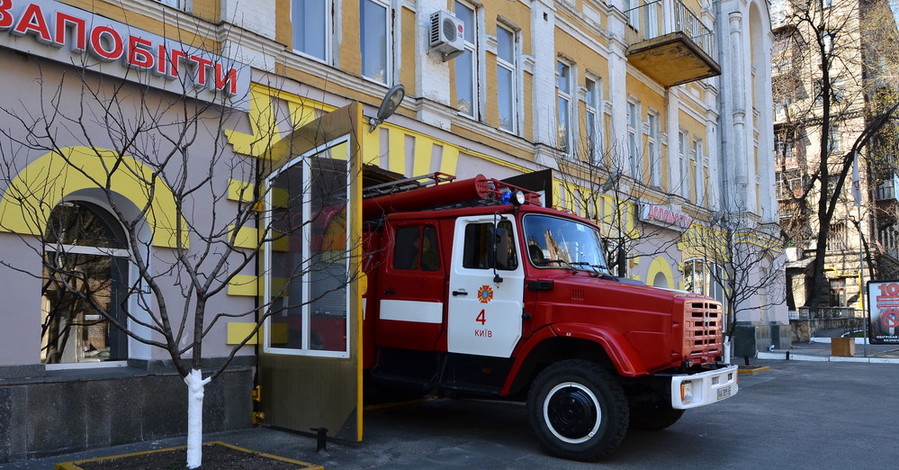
x: 805, y: 357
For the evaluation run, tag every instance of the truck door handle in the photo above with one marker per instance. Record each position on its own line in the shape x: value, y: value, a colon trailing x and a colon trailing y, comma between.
x: 459, y: 292
x: 389, y: 292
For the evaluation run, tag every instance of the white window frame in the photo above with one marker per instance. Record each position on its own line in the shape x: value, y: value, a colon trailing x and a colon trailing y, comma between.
x: 512, y: 68
x: 698, y: 187
x: 172, y: 3
x: 634, y: 155
x: 653, y: 148
x: 593, y: 107
x: 564, y: 101
x: 387, y: 42
x: 268, y: 248
x: 684, y: 165
x: 474, y: 53
x: 328, y: 22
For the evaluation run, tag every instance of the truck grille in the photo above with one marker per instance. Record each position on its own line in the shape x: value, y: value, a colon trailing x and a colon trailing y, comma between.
x: 703, y: 321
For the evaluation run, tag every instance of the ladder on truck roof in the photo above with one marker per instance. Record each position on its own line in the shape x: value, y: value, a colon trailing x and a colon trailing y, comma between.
x: 406, y: 184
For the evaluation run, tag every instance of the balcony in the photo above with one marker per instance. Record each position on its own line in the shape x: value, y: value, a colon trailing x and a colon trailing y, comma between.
x: 887, y: 191
x: 669, y: 43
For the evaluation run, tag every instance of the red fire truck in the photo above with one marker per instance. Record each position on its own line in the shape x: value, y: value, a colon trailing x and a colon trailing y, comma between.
x: 475, y: 289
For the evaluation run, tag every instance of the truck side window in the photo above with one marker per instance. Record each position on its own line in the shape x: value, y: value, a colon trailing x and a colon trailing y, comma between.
x: 405, y: 248
x: 430, y: 260
x: 478, y: 242
x: 414, y: 245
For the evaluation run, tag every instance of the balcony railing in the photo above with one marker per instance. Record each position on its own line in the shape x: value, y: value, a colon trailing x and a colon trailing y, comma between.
x: 668, y: 42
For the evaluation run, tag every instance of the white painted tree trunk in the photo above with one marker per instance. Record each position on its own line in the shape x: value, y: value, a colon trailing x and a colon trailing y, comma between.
x: 728, y: 350
x: 195, y: 385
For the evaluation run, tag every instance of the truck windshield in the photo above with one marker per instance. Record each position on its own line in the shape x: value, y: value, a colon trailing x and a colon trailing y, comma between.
x: 557, y: 242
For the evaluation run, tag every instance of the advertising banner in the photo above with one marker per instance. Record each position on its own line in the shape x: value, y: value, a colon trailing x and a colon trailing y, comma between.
x: 883, y: 310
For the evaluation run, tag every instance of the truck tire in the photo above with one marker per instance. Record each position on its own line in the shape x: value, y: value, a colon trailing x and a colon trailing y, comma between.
x: 653, y: 415
x: 578, y: 410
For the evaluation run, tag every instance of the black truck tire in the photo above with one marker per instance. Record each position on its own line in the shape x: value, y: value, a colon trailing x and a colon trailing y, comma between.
x: 578, y: 410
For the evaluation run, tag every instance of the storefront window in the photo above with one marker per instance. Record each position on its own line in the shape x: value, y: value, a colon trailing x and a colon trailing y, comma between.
x: 84, y: 291
x: 702, y: 276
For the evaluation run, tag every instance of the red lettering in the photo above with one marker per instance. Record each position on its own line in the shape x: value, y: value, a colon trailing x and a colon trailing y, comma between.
x: 63, y: 22
x: 202, y: 65
x: 6, y: 19
x: 161, y: 65
x: 111, y: 51
x: 175, y: 62
x: 33, y: 20
x: 138, y: 56
x: 229, y: 79
x: 482, y: 317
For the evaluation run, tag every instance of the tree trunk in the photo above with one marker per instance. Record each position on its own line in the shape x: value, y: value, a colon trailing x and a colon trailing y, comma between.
x: 195, y: 386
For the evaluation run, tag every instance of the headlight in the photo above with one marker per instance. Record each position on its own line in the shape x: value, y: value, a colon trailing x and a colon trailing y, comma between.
x: 686, y: 392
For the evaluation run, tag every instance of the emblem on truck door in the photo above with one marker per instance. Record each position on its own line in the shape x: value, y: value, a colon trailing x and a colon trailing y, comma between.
x: 485, y: 294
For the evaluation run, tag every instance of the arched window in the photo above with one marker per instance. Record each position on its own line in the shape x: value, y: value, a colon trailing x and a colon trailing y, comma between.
x: 84, y: 286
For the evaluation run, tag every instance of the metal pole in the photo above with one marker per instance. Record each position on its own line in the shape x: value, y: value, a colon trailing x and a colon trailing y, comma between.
x: 861, y: 281
x: 857, y: 195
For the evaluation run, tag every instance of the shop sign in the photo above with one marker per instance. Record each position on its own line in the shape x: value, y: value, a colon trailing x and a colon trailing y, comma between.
x: 661, y: 215
x: 66, y: 34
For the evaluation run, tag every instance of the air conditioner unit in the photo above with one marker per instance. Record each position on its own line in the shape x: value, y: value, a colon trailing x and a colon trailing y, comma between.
x: 447, y: 35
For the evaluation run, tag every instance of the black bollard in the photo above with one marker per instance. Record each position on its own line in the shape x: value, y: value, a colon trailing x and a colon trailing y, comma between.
x: 321, y: 435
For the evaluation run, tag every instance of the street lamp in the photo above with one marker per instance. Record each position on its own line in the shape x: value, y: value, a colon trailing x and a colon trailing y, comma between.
x: 391, y: 101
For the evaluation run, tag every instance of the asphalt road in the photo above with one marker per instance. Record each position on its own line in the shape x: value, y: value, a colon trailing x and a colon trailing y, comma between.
x: 797, y: 415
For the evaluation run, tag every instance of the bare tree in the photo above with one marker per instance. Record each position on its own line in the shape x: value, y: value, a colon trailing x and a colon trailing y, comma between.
x: 594, y: 175
x: 155, y: 172
x: 741, y: 265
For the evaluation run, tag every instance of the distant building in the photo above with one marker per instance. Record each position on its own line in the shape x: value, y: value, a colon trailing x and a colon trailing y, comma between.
x: 859, y: 39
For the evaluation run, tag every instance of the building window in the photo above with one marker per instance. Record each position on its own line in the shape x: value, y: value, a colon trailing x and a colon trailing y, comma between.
x: 594, y: 119
x: 507, y: 78
x: 652, y: 148
x: 375, y: 40
x: 85, y: 287
x: 696, y: 158
x: 563, y: 107
x: 633, y: 143
x: 171, y: 3
x: 702, y: 276
x: 683, y: 164
x: 311, y: 21
x: 833, y: 140
x: 467, y: 64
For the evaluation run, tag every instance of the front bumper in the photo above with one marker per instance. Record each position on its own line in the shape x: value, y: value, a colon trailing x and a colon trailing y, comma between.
x: 703, y: 388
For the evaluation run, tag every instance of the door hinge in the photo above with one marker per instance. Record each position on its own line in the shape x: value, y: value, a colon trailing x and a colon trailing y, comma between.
x: 258, y: 417
x: 257, y: 393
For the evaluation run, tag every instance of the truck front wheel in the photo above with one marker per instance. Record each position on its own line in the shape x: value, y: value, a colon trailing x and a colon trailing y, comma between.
x: 578, y: 410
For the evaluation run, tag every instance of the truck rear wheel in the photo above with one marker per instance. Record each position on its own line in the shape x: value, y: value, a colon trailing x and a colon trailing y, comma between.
x: 578, y: 410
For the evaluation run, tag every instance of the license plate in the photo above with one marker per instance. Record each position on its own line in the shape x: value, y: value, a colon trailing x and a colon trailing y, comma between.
x: 723, y: 392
